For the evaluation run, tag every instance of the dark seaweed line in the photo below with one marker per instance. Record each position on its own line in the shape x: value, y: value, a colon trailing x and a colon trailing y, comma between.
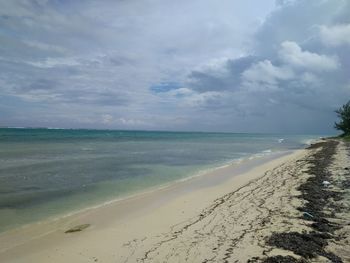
x: 318, y: 198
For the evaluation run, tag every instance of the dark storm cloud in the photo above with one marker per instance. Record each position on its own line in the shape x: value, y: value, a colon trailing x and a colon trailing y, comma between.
x: 228, y: 77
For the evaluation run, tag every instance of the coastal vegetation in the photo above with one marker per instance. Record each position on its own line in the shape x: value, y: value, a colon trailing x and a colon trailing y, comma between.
x: 344, y: 123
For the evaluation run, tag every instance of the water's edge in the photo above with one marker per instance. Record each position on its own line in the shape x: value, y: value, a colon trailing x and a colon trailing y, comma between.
x: 202, y: 179
x: 49, y: 173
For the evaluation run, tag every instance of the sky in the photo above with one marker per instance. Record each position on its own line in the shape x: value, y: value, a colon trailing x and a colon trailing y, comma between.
x: 188, y: 65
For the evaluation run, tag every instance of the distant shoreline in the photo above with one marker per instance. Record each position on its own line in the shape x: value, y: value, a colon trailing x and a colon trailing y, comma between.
x: 163, y: 131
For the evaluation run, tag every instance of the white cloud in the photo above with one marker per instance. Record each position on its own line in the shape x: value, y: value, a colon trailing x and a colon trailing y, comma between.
x: 107, y: 119
x: 181, y: 92
x: 310, y: 78
x: 209, y: 98
x: 216, y: 66
x: 190, y: 98
x: 44, y: 46
x: 335, y: 35
x: 54, y: 62
x: 292, y: 54
x: 131, y: 122
x: 266, y: 72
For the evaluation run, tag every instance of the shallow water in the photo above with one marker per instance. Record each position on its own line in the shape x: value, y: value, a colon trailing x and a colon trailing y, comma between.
x: 45, y: 173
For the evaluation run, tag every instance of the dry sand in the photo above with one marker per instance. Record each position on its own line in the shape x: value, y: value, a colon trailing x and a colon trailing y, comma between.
x: 213, y: 218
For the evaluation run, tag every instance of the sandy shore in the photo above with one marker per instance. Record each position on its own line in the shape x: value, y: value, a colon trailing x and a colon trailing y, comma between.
x: 228, y: 215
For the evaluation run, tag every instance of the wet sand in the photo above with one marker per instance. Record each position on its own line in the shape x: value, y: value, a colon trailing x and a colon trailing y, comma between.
x: 232, y: 214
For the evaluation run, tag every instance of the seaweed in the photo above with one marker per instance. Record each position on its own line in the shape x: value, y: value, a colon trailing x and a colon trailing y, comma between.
x: 77, y: 228
x: 283, y: 259
x: 318, y: 197
x: 307, y: 245
x: 313, y: 191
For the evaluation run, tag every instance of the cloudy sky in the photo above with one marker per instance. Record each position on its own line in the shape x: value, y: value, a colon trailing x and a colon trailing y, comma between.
x: 205, y: 65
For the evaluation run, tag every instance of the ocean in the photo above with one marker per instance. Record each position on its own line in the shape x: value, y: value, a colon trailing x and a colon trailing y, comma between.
x: 47, y: 173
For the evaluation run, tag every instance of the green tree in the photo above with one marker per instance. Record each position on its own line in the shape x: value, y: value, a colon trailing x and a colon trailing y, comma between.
x: 344, y: 123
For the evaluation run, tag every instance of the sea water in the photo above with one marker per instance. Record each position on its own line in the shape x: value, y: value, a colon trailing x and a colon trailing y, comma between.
x: 51, y: 172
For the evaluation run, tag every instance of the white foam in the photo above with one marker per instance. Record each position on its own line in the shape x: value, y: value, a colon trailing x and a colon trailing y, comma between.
x: 309, y: 141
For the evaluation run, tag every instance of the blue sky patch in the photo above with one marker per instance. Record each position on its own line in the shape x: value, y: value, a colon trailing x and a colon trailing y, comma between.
x: 165, y: 87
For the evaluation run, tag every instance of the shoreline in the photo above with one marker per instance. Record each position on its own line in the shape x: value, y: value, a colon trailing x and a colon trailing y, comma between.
x: 247, y: 162
x: 139, y: 205
x: 251, y: 214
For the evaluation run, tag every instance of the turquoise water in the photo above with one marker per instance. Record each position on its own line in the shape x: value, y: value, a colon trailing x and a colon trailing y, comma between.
x: 47, y: 172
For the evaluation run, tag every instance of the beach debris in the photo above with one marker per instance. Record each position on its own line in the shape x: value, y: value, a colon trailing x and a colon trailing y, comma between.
x: 283, y: 259
x: 316, y: 145
x: 326, y: 183
x: 325, y: 226
x: 308, y: 216
x: 307, y: 245
x: 77, y: 228
x: 317, y: 196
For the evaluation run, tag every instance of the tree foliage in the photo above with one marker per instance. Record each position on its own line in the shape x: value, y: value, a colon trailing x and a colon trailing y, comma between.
x: 344, y: 115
